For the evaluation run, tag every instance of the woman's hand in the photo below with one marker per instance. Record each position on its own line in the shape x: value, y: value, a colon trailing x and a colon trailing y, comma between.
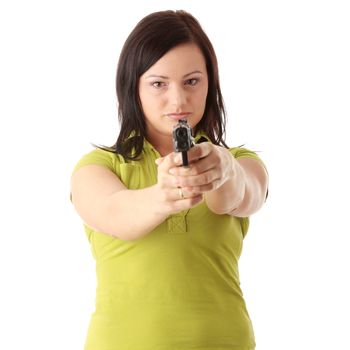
x: 210, y: 167
x: 171, y: 197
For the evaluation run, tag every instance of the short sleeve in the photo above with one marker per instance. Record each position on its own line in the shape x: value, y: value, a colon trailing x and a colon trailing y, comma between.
x: 241, y: 152
x: 97, y: 157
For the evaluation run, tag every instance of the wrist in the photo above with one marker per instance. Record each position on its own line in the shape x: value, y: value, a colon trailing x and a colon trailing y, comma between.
x: 239, y: 181
x: 230, y: 195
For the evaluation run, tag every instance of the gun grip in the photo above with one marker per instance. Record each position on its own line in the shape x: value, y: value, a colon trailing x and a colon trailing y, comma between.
x: 184, y: 159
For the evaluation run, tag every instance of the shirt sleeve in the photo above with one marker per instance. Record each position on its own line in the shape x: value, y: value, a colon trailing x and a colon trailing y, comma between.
x: 241, y: 152
x: 98, y: 157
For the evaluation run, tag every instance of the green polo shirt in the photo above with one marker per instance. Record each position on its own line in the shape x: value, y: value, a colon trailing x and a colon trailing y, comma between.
x: 177, y: 288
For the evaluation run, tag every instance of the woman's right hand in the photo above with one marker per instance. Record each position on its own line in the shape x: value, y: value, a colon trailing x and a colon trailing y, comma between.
x: 168, y: 193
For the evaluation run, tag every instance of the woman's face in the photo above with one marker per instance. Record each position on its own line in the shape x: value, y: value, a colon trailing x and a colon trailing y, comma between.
x: 174, y: 88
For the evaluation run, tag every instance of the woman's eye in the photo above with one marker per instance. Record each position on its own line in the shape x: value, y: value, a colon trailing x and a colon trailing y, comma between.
x: 158, y: 84
x: 192, y: 81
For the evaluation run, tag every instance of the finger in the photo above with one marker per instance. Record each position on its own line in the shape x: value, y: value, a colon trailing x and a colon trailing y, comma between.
x: 199, y: 151
x: 196, y: 168
x: 182, y: 195
x: 198, y: 180
x: 167, y: 162
x: 200, y: 161
x: 206, y: 188
x: 164, y: 177
x: 203, y: 188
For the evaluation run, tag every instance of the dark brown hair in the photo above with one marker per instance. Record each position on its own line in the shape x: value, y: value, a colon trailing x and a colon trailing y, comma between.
x: 152, y: 38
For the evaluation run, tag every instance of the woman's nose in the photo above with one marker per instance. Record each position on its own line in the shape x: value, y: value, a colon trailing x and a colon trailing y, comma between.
x: 178, y: 96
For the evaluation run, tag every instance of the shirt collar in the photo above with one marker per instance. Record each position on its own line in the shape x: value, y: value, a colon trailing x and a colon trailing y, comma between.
x: 201, y: 135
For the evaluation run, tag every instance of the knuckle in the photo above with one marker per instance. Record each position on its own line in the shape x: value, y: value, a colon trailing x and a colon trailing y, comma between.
x: 217, y: 158
x: 193, y: 200
x: 208, y: 187
x: 195, y: 171
x: 205, y: 178
x: 212, y: 185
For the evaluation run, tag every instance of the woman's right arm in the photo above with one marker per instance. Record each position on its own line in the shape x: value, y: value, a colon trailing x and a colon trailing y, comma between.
x: 106, y: 205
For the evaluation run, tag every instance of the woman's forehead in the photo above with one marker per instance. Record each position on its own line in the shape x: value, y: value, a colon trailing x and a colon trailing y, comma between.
x: 181, y: 60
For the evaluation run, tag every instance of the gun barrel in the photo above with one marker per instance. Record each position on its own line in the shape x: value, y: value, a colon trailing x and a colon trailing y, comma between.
x: 182, y: 139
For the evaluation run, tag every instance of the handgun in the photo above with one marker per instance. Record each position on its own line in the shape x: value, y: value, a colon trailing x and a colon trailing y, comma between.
x: 183, y: 139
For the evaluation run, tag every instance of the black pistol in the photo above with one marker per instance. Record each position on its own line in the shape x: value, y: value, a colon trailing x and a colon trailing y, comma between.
x: 183, y: 139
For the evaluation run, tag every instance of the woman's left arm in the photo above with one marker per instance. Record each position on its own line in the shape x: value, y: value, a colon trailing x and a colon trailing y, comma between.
x: 231, y: 186
x: 244, y: 192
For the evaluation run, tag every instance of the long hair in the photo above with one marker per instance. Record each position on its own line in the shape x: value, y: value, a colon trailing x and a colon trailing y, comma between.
x: 152, y: 38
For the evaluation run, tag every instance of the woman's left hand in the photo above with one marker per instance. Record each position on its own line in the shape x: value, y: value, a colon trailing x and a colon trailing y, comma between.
x: 210, y: 166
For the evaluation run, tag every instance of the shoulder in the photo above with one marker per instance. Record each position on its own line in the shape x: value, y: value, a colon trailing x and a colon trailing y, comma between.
x: 242, y: 152
x: 99, y: 156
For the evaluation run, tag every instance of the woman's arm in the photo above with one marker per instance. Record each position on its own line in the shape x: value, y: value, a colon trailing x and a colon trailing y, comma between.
x: 231, y: 186
x: 106, y: 205
x: 244, y: 193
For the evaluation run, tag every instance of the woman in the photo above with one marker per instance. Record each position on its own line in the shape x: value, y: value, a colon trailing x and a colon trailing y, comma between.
x: 167, y: 238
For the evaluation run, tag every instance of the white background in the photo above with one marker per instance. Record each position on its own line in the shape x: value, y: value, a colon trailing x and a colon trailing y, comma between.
x: 284, y: 68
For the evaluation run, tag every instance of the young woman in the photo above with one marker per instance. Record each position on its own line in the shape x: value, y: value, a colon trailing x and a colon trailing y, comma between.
x: 167, y: 238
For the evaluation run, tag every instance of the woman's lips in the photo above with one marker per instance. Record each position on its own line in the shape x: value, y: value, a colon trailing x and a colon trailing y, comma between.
x: 177, y: 116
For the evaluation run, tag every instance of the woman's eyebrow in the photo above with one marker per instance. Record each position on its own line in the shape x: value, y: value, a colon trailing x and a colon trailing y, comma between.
x: 164, y: 77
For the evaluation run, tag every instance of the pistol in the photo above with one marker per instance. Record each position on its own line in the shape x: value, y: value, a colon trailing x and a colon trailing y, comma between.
x: 183, y: 139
